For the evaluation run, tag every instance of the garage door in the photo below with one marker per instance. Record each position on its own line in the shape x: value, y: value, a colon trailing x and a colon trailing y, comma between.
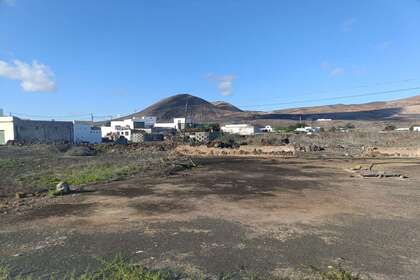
x: 2, y: 137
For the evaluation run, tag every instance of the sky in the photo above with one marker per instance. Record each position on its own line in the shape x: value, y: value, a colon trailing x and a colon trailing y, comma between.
x: 69, y: 59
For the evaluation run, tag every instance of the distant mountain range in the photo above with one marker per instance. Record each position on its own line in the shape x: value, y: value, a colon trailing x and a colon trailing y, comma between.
x: 201, y: 110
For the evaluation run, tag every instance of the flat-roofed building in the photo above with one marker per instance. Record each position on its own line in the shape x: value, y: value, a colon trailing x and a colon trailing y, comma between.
x: 34, y: 131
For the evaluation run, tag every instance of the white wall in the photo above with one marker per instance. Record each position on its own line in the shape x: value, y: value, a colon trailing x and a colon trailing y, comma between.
x: 178, y: 123
x: 166, y: 125
x: 86, y: 133
x: 6, y: 124
x: 105, y: 130
x: 125, y: 123
x: 241, y: 129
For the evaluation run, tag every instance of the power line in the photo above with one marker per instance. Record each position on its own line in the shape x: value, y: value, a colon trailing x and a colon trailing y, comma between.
x: 91, y: 115
x: 333, y: 98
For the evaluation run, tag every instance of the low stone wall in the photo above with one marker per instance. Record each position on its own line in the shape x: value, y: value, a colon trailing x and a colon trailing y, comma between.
x: 246, y: 150
x: 412, y: 152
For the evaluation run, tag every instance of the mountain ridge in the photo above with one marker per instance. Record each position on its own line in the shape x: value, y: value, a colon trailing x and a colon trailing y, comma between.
x: 201, y: 110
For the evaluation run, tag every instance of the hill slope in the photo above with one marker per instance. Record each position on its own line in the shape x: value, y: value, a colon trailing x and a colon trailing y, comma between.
x: 226, y: 106
x: 406, y: 105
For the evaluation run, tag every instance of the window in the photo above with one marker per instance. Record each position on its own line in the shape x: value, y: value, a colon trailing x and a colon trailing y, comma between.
x: 127, y: 133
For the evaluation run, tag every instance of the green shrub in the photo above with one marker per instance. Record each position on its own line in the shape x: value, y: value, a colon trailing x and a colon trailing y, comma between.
x: 9, y: 163
x: 82, y: 175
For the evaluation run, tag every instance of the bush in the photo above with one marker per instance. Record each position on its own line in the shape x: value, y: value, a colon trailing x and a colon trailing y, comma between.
x: 290, y: 128
x: 389, y: 127
x: 349, y: 126
x: 81, y: 151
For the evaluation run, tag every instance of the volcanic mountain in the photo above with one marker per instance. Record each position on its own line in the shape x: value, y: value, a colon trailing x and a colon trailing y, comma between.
x: 407, y: 108
x: 200, y: 110
x: 181, y: 105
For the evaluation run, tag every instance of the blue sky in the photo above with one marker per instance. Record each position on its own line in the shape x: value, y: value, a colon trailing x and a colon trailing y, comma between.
x: 71, y: 58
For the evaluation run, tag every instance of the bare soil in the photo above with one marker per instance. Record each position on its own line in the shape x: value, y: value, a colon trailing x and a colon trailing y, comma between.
x: 229, y: 214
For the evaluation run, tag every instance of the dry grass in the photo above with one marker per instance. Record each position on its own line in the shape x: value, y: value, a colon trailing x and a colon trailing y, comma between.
x: 121, y: 269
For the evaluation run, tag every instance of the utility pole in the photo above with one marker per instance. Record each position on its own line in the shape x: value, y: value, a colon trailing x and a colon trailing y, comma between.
x: 91, y: 117
x: 186, y: 111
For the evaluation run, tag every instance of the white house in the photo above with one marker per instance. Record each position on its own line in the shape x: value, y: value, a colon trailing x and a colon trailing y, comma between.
x: 144, y: 122
x: 125, y: 127
x: 308, y: 129
x: 6, y: 130
x: 241, y: 129
x: 84, y: 132
x: 416, y: 128
x: 149, y: 121
x: 178, y: 124
x: 267, y: 128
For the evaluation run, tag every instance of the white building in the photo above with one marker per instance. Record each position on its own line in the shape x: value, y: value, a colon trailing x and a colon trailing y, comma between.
x: 124, y: 127
x: 34, y: 131
x: 241, y: 129
x: 402, y: 129
x: 324, y: 120
x: 267, y: 128
x: 6, y: 130
x: 149, y: 121
x: 416, y: 128
x: 178, y: 124
x: 84, y: 132
x: 308, y: 129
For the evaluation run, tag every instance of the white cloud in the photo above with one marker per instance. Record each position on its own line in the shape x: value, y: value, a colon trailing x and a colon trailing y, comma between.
x: 33, y: 77
x: 348, y: 24
x: 224, y: 83
x: 332, y: 69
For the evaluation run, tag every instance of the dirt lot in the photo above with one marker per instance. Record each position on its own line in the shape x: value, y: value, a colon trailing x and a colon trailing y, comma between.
x: 37, y: 168
x: 229, y: 214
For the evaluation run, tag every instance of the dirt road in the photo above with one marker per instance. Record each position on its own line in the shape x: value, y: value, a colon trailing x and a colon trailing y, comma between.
x: 230, y: 214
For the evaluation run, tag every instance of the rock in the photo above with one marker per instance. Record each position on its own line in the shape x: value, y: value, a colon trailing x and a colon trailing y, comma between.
x: 63, y: 187
x: 20, y: 195
x: 357, y: 167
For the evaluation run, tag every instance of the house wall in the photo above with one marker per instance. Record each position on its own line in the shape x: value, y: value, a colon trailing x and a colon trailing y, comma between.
x: 203, y: 137
x: 85, y: 133
x: 6, y: 126
x: 42, y: 131
x: 125, y: 123
x: 105, y: 130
